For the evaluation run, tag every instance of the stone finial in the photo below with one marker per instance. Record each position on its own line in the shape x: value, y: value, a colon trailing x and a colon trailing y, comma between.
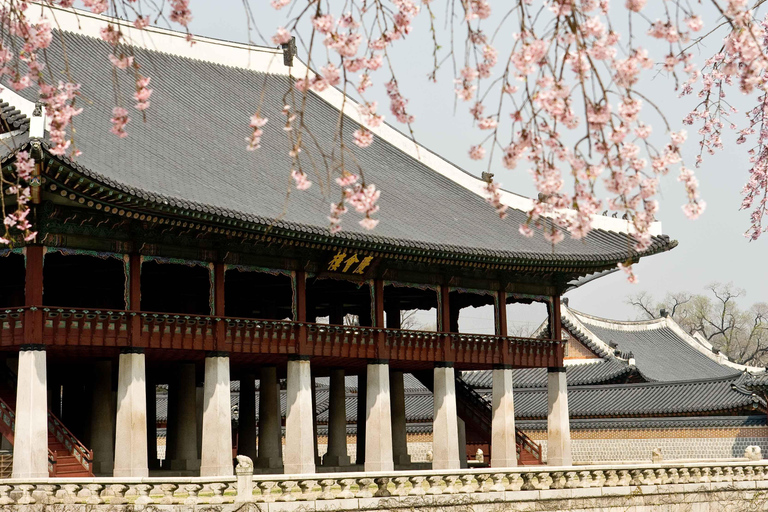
x: 656, y: 455
x: 289, y: 51
x: 479, y: 457
x: 244, y: 463
x: 430, y: 456
x: 753, y: 453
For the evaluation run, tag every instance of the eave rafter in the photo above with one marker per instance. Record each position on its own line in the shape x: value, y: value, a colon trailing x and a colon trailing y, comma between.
x: 67, y: 179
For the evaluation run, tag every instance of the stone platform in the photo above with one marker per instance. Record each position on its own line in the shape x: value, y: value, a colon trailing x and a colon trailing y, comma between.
x: 689, y: 487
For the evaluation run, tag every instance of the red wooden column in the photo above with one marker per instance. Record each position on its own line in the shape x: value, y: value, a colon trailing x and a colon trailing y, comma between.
x: 300, y: 307
x: 33, y: 295
x: 501, y: 327
x: 134, y: 298
x: 382, y: 350
x: 218, y: 305
x: 444, y: 322
x: 557, y: 330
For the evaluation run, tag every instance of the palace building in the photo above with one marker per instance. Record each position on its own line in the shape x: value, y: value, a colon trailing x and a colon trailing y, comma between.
x: 175, y: 257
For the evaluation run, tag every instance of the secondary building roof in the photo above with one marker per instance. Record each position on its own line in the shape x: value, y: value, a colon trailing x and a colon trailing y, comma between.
x: 661, y: 349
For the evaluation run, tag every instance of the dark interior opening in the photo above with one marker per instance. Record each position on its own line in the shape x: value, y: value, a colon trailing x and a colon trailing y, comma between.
x: 81, y: 281
x: 12, y: 283
x: 401, y: 303
x: 336, y: 298
x: 173, y: 288
x: 258, y: 295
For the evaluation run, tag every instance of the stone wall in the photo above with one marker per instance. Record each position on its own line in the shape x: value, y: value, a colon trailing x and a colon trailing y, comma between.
x: 590, y: 446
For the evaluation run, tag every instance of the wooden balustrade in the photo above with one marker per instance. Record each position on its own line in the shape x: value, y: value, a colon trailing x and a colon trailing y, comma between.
x: 115, y: 328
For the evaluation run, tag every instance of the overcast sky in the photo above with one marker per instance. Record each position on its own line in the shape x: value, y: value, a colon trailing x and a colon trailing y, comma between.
x: 712, y: 248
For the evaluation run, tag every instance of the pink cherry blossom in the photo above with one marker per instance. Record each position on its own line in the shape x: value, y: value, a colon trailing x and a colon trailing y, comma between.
x: 119, y: 120
x: 363, y: 137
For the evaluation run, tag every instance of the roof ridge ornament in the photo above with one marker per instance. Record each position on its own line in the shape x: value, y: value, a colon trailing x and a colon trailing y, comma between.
x: 289, y: 52
x: 37, y: 122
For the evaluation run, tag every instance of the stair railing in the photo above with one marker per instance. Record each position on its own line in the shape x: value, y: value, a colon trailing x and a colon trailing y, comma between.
x: 521, y: 438
x: 8, y: 427
x: 77, y: 449
x: 7, y: 421
x: 526, y: 443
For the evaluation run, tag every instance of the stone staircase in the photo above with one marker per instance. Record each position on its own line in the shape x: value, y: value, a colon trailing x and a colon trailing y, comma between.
x: 67, y: 457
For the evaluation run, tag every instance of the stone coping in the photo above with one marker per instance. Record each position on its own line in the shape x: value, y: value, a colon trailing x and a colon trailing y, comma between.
x: 352, y: 491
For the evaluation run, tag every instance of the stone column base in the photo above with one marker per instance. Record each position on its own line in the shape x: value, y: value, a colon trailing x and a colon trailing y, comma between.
x: 268, y: 462
x: 336, y: 460
x: 185, y: 465
x: 402, y: 460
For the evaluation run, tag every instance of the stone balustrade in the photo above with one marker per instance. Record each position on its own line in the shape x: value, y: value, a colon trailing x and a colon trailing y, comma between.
x: 353, y: 491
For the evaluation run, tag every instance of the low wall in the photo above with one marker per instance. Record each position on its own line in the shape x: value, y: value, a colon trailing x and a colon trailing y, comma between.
x: 621, y: 444
x: 690, y: 487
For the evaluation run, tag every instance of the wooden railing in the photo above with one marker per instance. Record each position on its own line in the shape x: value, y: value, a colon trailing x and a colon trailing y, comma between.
x: 8, y: 427
x: 115, y: 328
x: 524, y: 442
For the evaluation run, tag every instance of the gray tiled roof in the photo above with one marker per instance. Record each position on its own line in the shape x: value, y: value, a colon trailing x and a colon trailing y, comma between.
x: 652, y: 423
x: 191, y: 154
x: 604, y: 370
x: 660, y: 353
x: 698, y: 397
x: 12, y: 118
x: 704, y: 396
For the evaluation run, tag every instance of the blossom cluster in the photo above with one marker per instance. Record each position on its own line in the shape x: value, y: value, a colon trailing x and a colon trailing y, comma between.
x: 363, y: 198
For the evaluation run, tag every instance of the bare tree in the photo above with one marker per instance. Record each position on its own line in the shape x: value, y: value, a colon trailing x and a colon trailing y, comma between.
x: 742, y: 334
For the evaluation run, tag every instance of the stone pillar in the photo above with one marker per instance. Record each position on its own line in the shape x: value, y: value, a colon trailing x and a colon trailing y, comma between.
x: 131, y: 424
x: 462, y: 428
x: 299, y: 440
x: 199, y: 395
x: 270, y: 430
x: 503, y: 439
x: 362, y: 397
x: 30, y: 437
x: 337, y: 421
x: 216, y: 455
x: 315, y: 451
x: 184, y: 436
x: 246, y: 428
x: 102, y: 419
x: 151, y: 414
x: 558, y: 424
x: 378, y: 419
x: 397, y: 398
x: 445, y: 428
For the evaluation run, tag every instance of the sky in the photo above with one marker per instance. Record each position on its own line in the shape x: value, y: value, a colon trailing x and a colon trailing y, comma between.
x: 710, y: 249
